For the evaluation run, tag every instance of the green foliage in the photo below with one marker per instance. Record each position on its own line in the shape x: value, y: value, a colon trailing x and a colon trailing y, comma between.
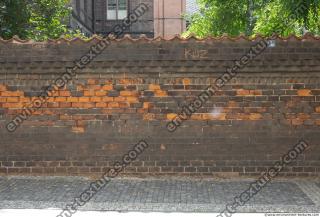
x: 14, y: 18
x: 265, y: 17
x: 48, y: 18
x: 289, y: 17
x: 71, y: 34
x: 34, y: 19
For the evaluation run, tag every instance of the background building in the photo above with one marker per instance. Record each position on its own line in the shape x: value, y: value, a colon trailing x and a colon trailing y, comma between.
x: 164, y: 17
x: 168, y: 17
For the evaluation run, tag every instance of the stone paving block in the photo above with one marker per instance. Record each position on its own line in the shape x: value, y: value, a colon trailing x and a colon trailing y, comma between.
x: 127, y: 194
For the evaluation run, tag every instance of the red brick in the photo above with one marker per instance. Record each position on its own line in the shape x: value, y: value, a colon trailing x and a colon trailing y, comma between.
x: 65, y: 104
x: 256, y: 92
x: 88, y: 93
x: 304, y: 92
x: 12, y: 93
x: 95, y: 99
x: 242, y: 92
x: 149, y: 116
x: 186, y: 81
x: 132, y: 99
x: 113, y: 105
x: 64, y: 93
x: 107, y: 99
x: 101, y: 105
x: 160, y: 93
x: 101, y: 93
x: 13, y: 99
x: 73, y: 99
x: 128, y: 93
x: 154, y: 87
x: 84, y: 99
x: 60, y: 99
x: 255, y: 116
x: 119, y: 99
x: 107, y: 87
x: 12, y: 105
x: 77, y: 129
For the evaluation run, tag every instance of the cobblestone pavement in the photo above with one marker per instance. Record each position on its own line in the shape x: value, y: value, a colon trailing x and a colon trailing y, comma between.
x: 183, y: 195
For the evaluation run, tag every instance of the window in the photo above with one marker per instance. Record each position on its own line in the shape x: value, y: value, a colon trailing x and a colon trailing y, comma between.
x: 117, y: 9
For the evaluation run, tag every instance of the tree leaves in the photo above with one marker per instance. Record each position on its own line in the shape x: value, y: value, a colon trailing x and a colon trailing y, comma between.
x: 34, y: 19
x: 13, y: 18
x: 265, y: 17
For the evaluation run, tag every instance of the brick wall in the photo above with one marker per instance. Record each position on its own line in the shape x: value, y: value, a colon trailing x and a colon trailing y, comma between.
x: 134, y: 88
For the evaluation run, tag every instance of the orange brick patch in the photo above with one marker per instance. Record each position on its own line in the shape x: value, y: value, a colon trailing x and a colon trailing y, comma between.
x: 128, y: 93
x: 149, y: 116
x: 64, y: 93
x: 78, y: 129
x: 107, y: 87
x: 243, y: 92
x: 12, y: 93
x: 101, y: 105
x: 209, y: 116
x: 132, y: 99
x: 84, y: 99
x: 24, y: 99
x: 171, y: 116
x: 197, y: 117
x: 54, y: 105
x: 13, y: 99
x: 186, y: 81
x: 88, y: 105
x: 88, y: 93
x: 73, y: 99
x: 126, y: 81
x: 304, y: 92
x: 95, y: 99
x: 107, y: 99
x: 65, y: 104
x: 255, y: 92
x: 101, y: 93
x: 255, y: 116
x: 160, y: 93
x: 12, y: 105
x: 60, y: 99
x: 146, y: 105
x: 154, y: 87
x: 318, y: 109
x: 124, y: 104
x: 83, y: 105
x: 119, y: 99
x: 113, y: 105
x: 65, y: 117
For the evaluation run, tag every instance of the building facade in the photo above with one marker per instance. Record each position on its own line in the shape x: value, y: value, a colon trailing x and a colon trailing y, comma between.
x: 162, y: 18
x: 168, y: 17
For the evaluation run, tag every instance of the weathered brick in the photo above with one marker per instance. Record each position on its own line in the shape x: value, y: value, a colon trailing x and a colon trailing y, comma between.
x: 154, y: 87
x: 304, y: 92
x: 95, y: 119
